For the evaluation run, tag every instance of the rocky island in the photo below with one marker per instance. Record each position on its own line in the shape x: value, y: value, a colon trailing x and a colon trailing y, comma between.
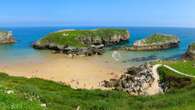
x: 6, y: 38
x: 82, y: 42
x: 155, y: 42
x: 190, y: 54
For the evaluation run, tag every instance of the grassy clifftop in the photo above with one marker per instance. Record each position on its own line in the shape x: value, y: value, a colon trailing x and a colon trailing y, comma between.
x: 157, y: 39
x: 190, y: 53
x: 160, y: 38
x: 2, y: 33
x: 184, y: 66
x: 81, y: 38
x: 155, y: 42
x: 17, y: 93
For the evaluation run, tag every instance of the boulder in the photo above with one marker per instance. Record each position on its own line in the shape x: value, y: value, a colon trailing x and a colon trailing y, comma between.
x: 38, y: 45
x: 190, y: 54
x: 135, y: 81
x: 6, y: 38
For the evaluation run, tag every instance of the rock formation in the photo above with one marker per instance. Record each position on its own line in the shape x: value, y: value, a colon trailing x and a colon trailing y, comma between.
x: 6, y: 38
x: 155, y: 42
x: 82, y: 42
x: 190, y: 54
x: 141, y: 59
x: 135, y: 81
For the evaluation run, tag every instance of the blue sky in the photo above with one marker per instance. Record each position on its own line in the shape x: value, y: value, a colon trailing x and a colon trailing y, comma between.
x: 177, y: 13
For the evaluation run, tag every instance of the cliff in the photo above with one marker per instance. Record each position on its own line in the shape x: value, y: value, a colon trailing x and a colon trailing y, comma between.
x: 80, y: 41
x: 6, y: 38
x: 190, y: 54
x: 155, y: 42
x: 136, y: 81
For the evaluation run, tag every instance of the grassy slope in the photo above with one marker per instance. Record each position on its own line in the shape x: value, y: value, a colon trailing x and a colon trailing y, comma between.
x: 71, y: 37
x: 60, y: 97
x: 159, y: 38
x: 185, y: 67
x: 63, y: 38
x: 14, y: 102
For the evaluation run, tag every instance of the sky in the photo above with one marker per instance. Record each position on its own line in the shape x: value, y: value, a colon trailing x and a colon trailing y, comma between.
x: 165, y: 13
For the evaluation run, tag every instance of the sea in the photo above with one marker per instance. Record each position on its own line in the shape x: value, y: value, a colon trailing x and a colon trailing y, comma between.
x: 22, y: 50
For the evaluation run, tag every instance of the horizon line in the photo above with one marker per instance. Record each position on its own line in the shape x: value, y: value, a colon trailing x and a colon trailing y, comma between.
x: 95, y: 26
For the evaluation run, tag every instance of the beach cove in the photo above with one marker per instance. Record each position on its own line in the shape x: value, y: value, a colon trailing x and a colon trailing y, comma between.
x: 80, y: 72
x: 21, y: 59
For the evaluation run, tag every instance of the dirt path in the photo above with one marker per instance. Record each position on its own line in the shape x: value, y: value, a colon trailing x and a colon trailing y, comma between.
x: 155, y: 88
x: 178, y: 72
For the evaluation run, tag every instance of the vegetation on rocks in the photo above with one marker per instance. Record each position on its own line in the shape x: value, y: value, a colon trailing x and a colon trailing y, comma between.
x: 155, y: 42
x: 170, y: 80
x: 83, y: 38
x: 160, y: 38
x: 82, y: 42
x: 190, y: 53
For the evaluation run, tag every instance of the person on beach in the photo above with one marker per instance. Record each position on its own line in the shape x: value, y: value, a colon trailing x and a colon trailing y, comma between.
x: 72, y: 56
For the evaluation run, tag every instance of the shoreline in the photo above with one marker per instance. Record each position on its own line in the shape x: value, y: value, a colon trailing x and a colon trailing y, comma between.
x: 80, y: 72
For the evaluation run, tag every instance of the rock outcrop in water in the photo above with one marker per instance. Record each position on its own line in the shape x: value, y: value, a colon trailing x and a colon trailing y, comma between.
x: 135, y: 81
x: 141, y: 59
x: 6, y: 38
x: 190, y: 54
x: 155, y: 42
x: 82, y: 42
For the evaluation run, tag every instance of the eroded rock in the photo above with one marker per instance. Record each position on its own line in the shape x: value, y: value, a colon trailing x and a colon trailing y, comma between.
x: 6, y: 38
x: 135, y: 81
x: 190, y: 54
x: 82, y: 42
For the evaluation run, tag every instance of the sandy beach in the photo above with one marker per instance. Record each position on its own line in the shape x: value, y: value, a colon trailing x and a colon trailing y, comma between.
x: 79, y: 72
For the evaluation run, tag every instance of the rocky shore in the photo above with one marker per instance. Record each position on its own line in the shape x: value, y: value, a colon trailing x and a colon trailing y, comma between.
x: 154, y: 42
x: 6, y: 38
x: 190, y: 54
x: 74, y: 51
x: 82, y: 42
x: 136, y: 81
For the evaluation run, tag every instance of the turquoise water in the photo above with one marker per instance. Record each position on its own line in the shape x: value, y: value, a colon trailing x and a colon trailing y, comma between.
x: 25, y: 36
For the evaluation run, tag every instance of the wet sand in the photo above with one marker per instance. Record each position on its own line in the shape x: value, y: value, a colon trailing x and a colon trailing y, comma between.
x: 79, y: 72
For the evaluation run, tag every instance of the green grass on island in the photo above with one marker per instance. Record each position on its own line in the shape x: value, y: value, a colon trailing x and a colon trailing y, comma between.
x: 159, y: 38
x: 185, y: 66
x: 34, y: 94
x: 71, y: 37
x: 2, y: 33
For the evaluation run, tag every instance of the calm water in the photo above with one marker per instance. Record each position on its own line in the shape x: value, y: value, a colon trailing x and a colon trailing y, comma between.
x: 25, y: 36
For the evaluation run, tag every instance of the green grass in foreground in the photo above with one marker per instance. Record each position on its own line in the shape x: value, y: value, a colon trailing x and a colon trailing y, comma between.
x: 184, y: 66
x: 29, y: 94
x: 159, y: 38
